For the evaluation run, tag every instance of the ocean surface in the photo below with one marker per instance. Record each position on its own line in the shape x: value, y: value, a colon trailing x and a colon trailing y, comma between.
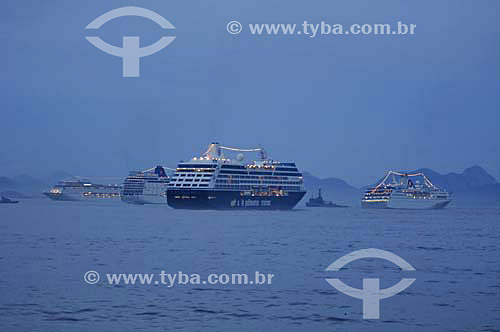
x: 46, y: 248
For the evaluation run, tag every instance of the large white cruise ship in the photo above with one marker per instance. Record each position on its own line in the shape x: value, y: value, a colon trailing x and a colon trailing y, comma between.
x: 213, y: 181
x: 146, y: 187
x: 83, y: 190
x: 405, y: 191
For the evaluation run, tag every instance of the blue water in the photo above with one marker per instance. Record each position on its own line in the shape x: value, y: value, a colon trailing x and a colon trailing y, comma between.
x: 46, y: 247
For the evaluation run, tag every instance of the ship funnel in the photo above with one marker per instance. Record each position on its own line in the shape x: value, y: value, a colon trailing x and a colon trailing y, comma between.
x: 214, y: 151
x: 160, y: 171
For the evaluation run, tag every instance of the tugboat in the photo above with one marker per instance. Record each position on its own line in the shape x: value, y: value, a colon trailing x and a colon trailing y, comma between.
x: 6, y: 200
x: 320, y: 202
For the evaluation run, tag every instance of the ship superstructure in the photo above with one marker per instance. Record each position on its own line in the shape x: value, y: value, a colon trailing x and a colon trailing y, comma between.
x: 146, y: 187
x: 213, y: 181
x: 405, y: 191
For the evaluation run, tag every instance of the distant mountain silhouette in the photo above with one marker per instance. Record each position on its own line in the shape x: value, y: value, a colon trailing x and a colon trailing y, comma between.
x: 21, y: 186
x: 17, y: 186
x: 14, y: 194
x: 27, y: 181
x: 470, y: 179
x: 5, y: 182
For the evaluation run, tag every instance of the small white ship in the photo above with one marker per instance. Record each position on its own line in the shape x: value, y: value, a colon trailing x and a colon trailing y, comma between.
x: 82, y: 190
x: 146, y: 187
x: 405, y: 191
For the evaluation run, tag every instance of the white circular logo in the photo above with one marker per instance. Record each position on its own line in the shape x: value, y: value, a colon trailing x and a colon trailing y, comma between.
x: 234, y: 27
x: 91, y: 277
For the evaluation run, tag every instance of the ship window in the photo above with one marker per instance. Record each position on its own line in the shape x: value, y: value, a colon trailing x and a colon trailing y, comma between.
x: 183, y: 174
x: 196, y: 180
x: 198, y: 175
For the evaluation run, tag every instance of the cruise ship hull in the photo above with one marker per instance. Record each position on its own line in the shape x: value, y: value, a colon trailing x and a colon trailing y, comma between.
x: 229, y: 200
x: 414, y: 204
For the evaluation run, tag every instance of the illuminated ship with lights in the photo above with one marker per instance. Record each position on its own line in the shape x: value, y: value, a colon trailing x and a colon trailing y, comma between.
x: 406, y: 191
x: 83, y: 190
x: 213, y: 181
x: 146, y: 187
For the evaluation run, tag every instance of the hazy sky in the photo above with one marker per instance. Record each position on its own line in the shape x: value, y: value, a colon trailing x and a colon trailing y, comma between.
x: 344, y: 106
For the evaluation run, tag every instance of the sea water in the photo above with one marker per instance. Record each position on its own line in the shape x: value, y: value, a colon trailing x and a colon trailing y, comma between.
x: 46, y: 248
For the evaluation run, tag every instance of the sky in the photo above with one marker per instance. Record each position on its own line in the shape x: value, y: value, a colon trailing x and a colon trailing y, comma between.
x: 340, y: 106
